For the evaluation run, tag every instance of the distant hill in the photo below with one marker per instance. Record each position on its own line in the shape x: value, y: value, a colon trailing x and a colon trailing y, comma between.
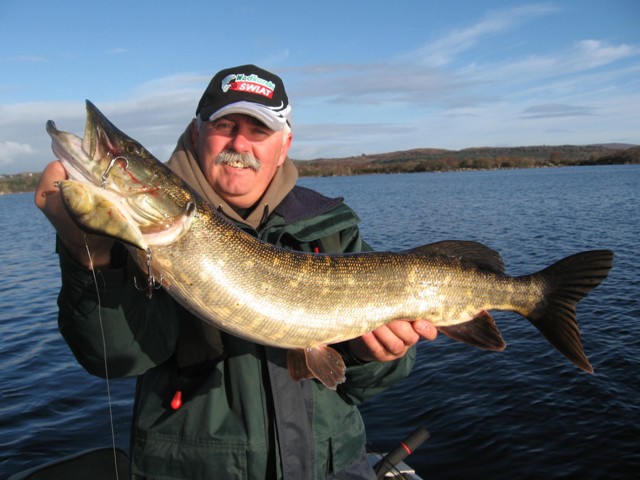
x: 429, y: 160
x: 479, y: 158
x: 614, y: 146
x: 18, y: 183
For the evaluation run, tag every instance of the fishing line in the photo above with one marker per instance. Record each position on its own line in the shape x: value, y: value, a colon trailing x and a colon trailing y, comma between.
x: 106, y: 368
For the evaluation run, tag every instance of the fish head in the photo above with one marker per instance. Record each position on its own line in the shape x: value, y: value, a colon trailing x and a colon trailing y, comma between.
x: 105, y: 155
x: 154, y: 198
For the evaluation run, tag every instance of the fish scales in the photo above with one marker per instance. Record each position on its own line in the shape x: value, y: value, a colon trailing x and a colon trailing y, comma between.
x: 291, y: 300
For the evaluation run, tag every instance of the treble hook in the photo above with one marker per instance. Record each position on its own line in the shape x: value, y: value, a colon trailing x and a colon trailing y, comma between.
x: 108, y: 170
x: 152, y: 283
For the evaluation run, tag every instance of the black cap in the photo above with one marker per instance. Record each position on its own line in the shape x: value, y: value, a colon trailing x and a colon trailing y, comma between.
x: 246, y: 89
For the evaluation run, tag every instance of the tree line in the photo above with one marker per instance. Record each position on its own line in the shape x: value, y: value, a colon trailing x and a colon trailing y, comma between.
x: 434, y: 160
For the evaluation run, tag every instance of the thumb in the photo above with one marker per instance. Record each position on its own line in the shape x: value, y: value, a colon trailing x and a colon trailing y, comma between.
x: 425, y: 329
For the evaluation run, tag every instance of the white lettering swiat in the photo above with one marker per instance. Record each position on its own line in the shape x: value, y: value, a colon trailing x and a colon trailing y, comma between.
x: 251, y: 88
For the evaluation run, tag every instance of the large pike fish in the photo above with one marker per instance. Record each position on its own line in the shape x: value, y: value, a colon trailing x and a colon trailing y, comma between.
x: 299, y: 301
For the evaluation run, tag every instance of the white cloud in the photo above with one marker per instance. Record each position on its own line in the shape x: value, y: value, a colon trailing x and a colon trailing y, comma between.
x: 444, y: 50
x: 11, y: 152
x: 557, y: 110
x: 376, y: 84
x: 578, y: 58
x: 595, y: 53
x: 155, y: 119
x: 168, y: 84
x: 277, y: 58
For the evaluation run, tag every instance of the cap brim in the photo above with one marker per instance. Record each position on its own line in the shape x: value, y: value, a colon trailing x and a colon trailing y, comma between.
x: 273, y: 120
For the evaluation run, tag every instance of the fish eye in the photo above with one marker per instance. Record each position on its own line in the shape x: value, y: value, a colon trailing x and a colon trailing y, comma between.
x: 132, y: 148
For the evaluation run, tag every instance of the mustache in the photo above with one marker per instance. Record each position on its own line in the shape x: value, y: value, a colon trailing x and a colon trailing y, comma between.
x: 238, y: 160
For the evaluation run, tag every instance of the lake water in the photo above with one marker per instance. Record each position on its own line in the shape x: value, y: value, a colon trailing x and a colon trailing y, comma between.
x: 524, y: 413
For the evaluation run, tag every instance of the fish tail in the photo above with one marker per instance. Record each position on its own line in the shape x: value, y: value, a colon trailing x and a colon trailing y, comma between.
x: 566, y: 283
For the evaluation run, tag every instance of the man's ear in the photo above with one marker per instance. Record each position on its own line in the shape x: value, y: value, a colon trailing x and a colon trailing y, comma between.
x: 195, y: 133
x: 286, y: 144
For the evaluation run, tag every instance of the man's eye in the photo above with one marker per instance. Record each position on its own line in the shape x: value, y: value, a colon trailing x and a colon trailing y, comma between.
x: 260, y: 131
x: 223, y: 125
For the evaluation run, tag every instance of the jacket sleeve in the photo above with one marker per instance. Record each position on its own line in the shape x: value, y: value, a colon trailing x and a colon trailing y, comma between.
x: 370, y: 379
x: 113, y: 320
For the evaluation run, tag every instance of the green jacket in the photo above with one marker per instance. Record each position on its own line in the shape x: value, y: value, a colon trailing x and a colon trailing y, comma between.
x: 241, y: 415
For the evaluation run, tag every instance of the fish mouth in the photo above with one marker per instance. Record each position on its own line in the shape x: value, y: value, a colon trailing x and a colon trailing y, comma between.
x: 68, y: 149
x: 87, y: 158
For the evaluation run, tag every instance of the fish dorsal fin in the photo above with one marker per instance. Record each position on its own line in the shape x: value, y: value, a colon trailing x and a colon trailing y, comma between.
x: 323, y: 363
x: 481, y: 331
x: 476, y: 253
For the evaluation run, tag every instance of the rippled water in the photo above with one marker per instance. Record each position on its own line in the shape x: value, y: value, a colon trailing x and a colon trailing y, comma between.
x: 49, y: 406
x: 522, y: 413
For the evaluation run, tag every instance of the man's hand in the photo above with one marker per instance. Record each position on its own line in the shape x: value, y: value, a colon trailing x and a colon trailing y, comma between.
x: 391, y: 341
x: 48, y: 199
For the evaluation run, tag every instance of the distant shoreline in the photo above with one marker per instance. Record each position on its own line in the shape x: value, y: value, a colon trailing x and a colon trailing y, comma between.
x: 485, y: 158
x: 427, y: 160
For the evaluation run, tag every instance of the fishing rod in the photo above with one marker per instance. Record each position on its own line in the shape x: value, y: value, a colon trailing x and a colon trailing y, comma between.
x: 402, y: 451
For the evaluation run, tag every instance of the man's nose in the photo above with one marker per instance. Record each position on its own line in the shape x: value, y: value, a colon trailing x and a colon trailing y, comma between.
x: 240, y: 143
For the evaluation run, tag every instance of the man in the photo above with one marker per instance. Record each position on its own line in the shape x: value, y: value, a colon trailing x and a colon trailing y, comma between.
x: 210, y: 405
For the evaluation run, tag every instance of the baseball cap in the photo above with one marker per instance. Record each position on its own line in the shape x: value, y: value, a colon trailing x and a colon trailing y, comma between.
x: 249, y: 90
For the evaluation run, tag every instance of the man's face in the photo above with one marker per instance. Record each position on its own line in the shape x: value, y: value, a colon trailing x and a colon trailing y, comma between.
x: 238, y: 185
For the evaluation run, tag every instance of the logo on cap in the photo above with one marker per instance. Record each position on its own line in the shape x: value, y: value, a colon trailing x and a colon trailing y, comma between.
x: 240, y: 82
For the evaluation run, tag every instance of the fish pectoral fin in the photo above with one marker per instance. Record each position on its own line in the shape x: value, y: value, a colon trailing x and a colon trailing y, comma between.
x: 481, y: 331
x: 297, y: 365
x: 322, y: 362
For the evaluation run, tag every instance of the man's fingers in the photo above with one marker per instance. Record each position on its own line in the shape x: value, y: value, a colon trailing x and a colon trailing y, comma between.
x: 397, y: 335
x: 43, y: 198
x: 48, y: 199
x: 393, y: 340
x: 425, y: 329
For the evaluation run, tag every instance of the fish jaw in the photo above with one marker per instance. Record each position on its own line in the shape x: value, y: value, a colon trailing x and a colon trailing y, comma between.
x: 99, y: 211
x: 68, y: 149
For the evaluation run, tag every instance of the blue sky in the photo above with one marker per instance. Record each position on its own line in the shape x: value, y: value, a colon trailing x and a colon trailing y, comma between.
x: 363, y: 76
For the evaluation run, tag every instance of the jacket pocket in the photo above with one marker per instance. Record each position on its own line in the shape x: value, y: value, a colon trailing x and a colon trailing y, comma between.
x: 167, y: 457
